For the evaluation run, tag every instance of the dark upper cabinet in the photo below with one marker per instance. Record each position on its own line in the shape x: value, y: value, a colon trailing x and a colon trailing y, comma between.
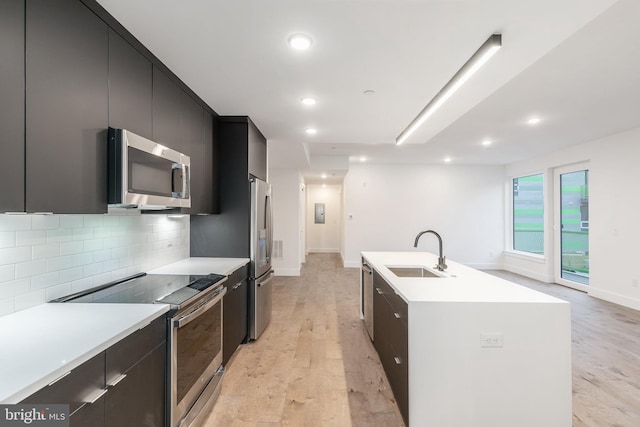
x: 66, y: 108
x: 130, y: 83
x: 193, y: 144
x: 168, y: 100
x: 12, y: 105
x: 257, y: 151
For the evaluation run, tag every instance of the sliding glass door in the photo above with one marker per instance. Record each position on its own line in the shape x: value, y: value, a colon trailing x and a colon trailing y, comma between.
x: 572, y: 235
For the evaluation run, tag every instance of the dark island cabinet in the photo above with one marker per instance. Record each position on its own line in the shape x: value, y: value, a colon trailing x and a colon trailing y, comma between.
x: 168, y: 100
x: 12, y: 105
x: 391, y: 338
x: 235, y: 312
x: 130, y: 88
x: 66, y: 108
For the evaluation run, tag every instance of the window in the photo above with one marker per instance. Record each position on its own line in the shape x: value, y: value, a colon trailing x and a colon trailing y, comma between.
x: 528, y: 214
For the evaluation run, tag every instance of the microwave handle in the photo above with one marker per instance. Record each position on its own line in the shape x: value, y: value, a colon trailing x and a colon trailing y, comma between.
x: 184, y: 170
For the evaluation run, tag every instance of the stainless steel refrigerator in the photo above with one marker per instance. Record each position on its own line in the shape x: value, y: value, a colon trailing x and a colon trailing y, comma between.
x: 261, y: 244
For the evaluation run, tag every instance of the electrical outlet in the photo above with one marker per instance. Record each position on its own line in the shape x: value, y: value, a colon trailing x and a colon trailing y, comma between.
x: 491, y: 340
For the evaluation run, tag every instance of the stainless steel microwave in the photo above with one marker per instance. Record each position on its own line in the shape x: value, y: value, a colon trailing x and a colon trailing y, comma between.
x: 145, y: 174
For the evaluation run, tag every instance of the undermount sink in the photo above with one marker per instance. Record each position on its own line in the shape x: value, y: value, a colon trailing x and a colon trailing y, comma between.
x: 413, y: 271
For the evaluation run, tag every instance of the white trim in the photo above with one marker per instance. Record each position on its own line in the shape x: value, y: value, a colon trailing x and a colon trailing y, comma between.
x: 528, y: 256
x: 530, y: 273
x: 615, y: 298
x: 323, y: 250
x: 286, y: 271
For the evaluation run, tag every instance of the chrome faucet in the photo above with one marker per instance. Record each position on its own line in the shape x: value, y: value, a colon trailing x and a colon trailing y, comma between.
x: 441, y: 258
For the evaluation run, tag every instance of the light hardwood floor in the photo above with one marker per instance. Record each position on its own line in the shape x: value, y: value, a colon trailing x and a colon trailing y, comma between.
x: 315, y: 364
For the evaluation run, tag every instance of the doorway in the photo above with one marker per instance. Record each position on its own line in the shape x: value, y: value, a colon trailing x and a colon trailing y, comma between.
x: 324, y: 217
x: 572, y: 229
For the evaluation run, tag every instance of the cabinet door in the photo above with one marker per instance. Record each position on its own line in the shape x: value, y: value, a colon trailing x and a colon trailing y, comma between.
x: 235, y: 313
x: 89, y: 415
x: 129, y: 88
x: 66, y: 108
x: 257, y: 151
x: 212, y: 169
x: 139, y: 399
x: 193, y: 144
x: 12, y: 105
x: 167, y: 108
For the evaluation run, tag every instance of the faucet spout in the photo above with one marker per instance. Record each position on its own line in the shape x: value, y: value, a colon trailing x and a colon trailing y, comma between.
x: 441, y: 258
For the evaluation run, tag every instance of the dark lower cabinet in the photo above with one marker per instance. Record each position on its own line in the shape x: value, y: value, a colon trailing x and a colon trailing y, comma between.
x: 235, y: 312
x: 391, y: 338
x: 67, y: 100
x: 124, y: 386
x: 12, y: 105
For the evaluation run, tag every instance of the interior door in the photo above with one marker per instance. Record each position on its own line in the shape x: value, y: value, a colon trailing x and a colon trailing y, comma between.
x: 572, y: 226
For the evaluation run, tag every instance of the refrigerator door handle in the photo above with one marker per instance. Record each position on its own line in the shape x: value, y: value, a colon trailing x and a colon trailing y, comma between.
x: 266, y: 280
x: 268, y: 223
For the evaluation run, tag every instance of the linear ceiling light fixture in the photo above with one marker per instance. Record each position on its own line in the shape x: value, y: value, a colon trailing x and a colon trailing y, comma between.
x: 479, y: 58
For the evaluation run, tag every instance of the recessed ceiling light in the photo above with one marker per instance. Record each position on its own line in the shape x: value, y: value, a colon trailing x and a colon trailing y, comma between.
x: 324, y: 175
x: 487, y: 142
x: 447, y: 159
x: 307, y: 100
x: 363, y: 159
x: 533, y: 121
x: 369, y: 92
x: 300, y: 41
x: 311, y: 131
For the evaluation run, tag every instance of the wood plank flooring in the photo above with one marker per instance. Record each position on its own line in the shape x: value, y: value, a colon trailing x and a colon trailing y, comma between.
x: 315, y: 364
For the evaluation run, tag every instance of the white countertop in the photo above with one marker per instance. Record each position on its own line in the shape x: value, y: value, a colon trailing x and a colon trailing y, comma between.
x: 460, y: 284
x: 40, y: 344
x: 202, y: 265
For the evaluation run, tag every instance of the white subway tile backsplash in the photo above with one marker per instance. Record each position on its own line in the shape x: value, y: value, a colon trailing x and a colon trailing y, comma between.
x: 59, y: 235
x: 45, y: 222
x: 31, y: 299
x: 70, y: 248
x: 31, y: 268
x: 31, y: 237
x: 7, y: 239
x: 71, y: 221
x: 6, y: 306
x: 93, y: 245
x: 15, y: 255
x: 71, y: 274
x: 46, y: 251
x: 45, y: 280
x: 43, y: 257
x: 7, y: 272
x: 14, y: 288
x: 15, y: 222
x: 60, y: 263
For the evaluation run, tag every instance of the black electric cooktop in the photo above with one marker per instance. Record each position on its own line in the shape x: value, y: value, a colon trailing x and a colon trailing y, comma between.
x: 148, y: 289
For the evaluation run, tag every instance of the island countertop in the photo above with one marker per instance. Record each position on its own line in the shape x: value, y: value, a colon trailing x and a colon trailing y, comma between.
x: 458, y: 284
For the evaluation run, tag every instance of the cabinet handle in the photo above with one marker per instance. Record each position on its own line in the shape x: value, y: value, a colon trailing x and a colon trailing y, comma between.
x: 379, y: 291
x: 92, y: 399
x: 397, y: 360
x: 397, y: 315
x: 236, y: 286
x: 59, y: 378
x: 116, y: 380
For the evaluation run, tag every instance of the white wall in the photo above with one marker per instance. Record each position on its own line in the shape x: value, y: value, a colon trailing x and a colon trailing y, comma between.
x: 43, y: 257
x: 324, y: 237
x: 285, y: 184
x: 386, y: 206
x: 614, y: 204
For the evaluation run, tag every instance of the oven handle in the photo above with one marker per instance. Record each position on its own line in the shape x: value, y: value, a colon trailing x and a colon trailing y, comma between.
x: 182, y: 321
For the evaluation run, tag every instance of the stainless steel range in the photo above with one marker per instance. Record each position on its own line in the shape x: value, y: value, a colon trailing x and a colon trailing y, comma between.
x: 194, y: 334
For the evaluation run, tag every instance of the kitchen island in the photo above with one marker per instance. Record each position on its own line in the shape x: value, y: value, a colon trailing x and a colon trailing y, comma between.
x: 464, y: 348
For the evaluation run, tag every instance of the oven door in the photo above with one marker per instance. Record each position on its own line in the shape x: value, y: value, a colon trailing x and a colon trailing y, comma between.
x: 196, y: 354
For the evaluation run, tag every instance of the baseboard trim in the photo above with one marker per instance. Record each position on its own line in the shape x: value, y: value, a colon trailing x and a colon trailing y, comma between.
x: 615, y: 298
x: 286, y: 271
x: 531, y: 274
x: 323, y: 250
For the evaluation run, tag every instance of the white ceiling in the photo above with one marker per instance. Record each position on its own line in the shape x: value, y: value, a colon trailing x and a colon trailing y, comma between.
x: 575, y: 63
